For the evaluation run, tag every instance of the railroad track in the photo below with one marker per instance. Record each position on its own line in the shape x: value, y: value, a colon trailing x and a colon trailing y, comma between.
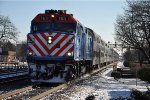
x: 31, y: 92
x: 15, y: 92
x: 15, y: 78
x: 37, y: 97
x: 38, y: 92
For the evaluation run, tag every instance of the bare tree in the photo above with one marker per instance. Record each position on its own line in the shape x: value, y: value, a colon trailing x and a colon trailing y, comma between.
x: 133, y: 27
x: 8, y: 31
x: 21, y: 51
x: 8, y: 46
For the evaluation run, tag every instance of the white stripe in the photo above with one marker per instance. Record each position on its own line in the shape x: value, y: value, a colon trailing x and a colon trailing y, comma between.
x: 39, y: 45
x: 53, y: 34
x: 34, y: 50
x: 42, y: 39
x: 62, y: 44
x: 65, y: 50
x: 47, y: 34
x: 56, y: 49
x: 56, y: 41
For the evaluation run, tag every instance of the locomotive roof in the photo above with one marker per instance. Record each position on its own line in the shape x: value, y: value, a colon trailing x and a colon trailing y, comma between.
x: 94, y: 34
x: 42, y: 17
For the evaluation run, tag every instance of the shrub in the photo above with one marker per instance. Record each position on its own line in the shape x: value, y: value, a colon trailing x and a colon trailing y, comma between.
x: 126, y: 63
x: 116, y: 74
x: 90, y: 97
x: 144, y: 74
x: 138, y: 95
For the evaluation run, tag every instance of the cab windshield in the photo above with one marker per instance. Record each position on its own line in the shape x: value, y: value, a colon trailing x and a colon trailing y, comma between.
x: 53, y: 27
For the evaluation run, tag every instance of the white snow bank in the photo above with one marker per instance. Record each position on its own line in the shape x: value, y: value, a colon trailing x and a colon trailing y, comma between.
x: 103, y: 87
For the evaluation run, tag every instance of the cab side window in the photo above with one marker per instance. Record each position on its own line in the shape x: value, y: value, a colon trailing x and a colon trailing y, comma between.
x: 79, y: 30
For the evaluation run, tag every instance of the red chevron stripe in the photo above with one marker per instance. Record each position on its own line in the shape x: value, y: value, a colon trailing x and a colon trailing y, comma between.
x: 41, y: 42
x: 44, y: 36
x: 29, y: 48
x: 54, y: 47
x: 56, y: 36
x: 60, y: 50
x: 38, y: 49
x: 60, y: 41
x: 70, y: 50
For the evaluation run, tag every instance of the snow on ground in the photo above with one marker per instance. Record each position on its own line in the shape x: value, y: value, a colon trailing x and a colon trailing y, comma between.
x: 101, y: 86
x: 120, y: 65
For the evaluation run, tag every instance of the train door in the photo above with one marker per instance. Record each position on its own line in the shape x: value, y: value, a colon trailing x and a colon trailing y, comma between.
x: 80, y: 47
x: 83, y: 43
x: 77, y: 48
x: 80, y: 41
x: 99, y: 57
x: 90, y: 47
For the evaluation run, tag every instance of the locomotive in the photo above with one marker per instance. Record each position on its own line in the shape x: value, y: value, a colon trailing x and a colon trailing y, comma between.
x: 60, y: 48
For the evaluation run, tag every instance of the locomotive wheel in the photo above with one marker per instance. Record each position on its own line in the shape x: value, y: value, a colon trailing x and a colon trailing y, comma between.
x: 88, y: 67
x: 79, y: 68
x: 69, y: 75
x: 75, y: 70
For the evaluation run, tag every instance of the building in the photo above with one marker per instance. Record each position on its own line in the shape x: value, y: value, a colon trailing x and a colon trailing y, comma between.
x: 7, y: 56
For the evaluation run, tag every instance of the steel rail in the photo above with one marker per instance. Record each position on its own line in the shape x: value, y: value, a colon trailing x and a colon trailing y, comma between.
x: 15, y: 78
x: 15, y: 92
x: 48, y: 92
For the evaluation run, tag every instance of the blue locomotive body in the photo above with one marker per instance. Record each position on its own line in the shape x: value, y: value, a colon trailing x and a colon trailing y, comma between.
x: 61, y: 48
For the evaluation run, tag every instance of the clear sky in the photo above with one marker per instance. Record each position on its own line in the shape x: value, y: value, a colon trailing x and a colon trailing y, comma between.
x: 99, y: 15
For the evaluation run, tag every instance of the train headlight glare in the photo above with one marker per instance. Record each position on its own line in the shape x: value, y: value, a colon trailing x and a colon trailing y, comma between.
x: 30, y: 53
x: 69, y: 54
x: 49, y: 39
x: 52, y: 16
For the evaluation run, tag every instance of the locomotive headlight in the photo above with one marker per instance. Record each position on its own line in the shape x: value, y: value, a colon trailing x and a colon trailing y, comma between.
x: 69, y: 54
x: 30, y: 53
x: 49, y: 39
x: 52, y: 16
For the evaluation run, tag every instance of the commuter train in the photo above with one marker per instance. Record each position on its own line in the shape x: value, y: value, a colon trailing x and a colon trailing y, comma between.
x: 60, y: 48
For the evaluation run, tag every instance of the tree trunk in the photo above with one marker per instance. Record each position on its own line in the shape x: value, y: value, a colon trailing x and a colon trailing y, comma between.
x: 149, y: 53
x: 147, y: 56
